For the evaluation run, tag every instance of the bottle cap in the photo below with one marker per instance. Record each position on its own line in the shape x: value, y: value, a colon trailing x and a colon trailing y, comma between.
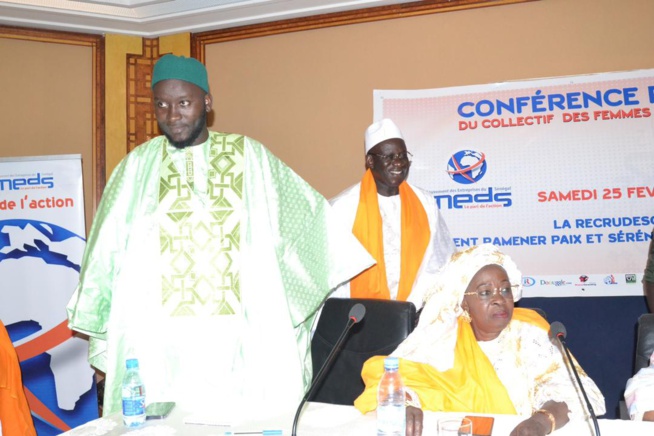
x: 391, y: 363
x: 132, y: 363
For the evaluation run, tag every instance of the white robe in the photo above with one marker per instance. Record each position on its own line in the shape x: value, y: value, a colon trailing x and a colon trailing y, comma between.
x: 639, y: 393
x: 437, y: 253
x: 534, y: 371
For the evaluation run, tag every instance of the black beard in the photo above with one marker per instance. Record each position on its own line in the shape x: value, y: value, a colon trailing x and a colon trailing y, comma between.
x: 195, y: 134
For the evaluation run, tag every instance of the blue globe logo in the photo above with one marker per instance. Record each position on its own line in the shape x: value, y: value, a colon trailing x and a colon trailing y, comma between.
x: 467, y: 166
x: 39, y: 266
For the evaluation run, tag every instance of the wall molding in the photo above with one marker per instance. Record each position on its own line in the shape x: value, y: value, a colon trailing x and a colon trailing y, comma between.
x: 403, y: 10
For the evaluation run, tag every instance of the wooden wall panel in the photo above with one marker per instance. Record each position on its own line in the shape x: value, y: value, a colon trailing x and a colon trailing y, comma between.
x: 52, y: 86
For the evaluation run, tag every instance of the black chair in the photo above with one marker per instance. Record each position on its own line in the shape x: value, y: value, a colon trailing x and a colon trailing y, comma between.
x: 644, y: 341
x: 644, y: 349
x: 539, y: 311
x: 386, y: 324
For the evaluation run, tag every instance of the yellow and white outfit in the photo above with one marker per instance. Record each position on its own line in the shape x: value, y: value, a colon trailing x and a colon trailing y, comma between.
x: 449, y: 370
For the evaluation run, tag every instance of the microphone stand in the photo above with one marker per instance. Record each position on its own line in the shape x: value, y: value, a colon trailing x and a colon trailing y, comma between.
x: 316, y: 381
x: 583, y: 391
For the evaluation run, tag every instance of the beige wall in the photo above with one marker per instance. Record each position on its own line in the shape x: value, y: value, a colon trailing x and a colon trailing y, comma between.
x: 47, y: 104
x: 308, y: 95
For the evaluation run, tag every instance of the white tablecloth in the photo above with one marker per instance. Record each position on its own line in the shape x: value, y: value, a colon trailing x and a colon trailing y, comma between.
x: 320, y: 419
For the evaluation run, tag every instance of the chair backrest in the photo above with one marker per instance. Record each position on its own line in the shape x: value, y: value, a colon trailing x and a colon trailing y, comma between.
x: 385, y: 325
x: 539, y: 311
x: 644, y: 341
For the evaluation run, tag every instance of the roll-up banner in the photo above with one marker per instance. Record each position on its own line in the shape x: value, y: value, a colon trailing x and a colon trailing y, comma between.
x: 42, y: 238
x: 557, y: 172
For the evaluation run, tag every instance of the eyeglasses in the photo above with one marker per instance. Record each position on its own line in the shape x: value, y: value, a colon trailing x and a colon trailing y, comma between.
x: 388, y: 158
x: 485, y: 293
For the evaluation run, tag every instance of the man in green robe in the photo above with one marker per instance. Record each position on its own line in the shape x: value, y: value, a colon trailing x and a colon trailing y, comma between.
x: 206, y: 261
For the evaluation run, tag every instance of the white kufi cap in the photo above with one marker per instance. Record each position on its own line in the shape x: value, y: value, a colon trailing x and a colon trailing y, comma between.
x: 380, y: 132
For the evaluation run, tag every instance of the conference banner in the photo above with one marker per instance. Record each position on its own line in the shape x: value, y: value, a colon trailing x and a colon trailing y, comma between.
x: 42, y: 238
x: 557, y: 172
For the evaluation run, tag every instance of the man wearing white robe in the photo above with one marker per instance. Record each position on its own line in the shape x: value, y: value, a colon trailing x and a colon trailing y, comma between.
x: 388, y: 163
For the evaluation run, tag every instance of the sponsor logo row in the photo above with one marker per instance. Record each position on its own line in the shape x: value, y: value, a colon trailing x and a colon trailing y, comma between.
x: 582, y: 280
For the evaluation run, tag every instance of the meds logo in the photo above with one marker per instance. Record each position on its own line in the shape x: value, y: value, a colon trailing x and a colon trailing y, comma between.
x: 37, y: 181
x: 528, y: 281
x: 467, y: 166
x: 630, y: 278
x: 583, y: 279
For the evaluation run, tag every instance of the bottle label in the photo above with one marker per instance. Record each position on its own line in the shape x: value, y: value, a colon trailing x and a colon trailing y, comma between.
x: 134, y: 406
x: 133, y: 400
x: 391, y: 420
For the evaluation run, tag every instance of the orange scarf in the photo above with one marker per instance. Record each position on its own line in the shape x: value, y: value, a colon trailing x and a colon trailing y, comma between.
x: 372, y: 283
x: 471, y: 386
x: 14, y: 411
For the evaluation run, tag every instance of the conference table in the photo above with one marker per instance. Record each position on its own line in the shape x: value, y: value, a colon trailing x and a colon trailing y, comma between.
x: 320, y: 419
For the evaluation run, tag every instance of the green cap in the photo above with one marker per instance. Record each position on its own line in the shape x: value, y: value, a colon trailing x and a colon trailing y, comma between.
x: 181, y: 68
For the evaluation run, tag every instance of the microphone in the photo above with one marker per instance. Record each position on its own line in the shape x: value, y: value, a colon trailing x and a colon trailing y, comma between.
x: 357, y: 312
x: 558, y: 333
x: 557, y: 330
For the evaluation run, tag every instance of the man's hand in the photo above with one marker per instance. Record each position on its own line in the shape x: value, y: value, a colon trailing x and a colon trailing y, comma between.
x: 414, y: 418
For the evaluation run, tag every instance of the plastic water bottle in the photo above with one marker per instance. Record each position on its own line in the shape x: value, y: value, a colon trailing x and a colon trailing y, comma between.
x: 391, y: 409
x: 133, y: 395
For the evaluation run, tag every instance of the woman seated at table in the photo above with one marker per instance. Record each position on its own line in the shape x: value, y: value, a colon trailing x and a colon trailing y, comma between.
x: 472, y: 352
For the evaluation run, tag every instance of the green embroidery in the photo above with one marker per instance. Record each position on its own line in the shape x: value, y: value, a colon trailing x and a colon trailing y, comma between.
x: 200, y: 228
